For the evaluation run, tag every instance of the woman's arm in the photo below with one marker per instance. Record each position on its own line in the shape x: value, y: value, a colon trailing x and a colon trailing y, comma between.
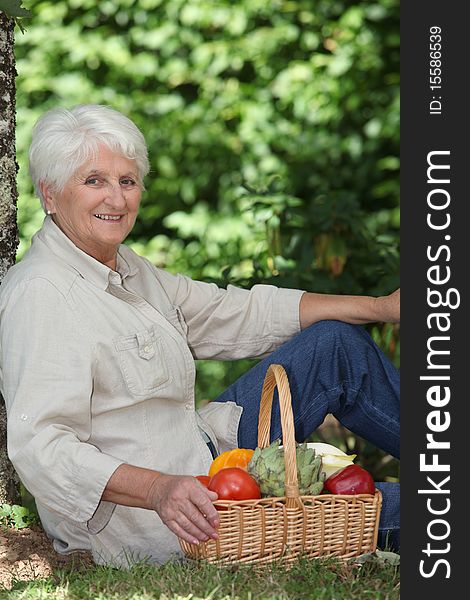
x: 233, y: 323
x: 47, y: 361
x: 183, y: 504
x: 351, y: 309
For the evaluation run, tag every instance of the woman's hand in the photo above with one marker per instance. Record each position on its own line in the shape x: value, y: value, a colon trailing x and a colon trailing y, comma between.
x: 185, y: 506
x: 181, y: 501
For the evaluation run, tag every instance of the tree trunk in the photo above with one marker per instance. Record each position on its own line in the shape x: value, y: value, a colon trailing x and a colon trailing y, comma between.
x: 8, y: 227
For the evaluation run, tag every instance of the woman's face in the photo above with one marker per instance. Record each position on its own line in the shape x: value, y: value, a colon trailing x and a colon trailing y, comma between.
x: 99, y: 204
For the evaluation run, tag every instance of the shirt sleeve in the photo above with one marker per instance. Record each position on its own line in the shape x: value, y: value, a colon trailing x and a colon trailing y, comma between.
x: 234, y: 323
x: 47, y: 382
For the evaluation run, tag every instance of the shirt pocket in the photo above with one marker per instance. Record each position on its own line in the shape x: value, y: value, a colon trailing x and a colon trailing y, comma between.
x: 143, y: 362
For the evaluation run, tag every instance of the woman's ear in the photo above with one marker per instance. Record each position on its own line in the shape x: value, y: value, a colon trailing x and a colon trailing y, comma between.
x: 48, y: 197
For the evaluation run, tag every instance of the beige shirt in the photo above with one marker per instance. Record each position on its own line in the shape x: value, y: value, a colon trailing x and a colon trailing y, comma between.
x: 97, y: 369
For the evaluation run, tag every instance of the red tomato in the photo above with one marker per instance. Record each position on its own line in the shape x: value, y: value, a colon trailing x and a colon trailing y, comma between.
x: 233, y: 483
x: 204, y: 479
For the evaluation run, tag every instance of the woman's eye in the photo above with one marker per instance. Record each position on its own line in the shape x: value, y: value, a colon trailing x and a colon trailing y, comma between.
x: 127, y: 181
x: 92, y: 181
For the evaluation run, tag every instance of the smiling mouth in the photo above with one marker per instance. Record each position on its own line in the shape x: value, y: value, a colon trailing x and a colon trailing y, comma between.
x: 109, y: 217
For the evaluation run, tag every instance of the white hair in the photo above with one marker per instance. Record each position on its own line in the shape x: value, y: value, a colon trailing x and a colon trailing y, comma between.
x: 64, y: 139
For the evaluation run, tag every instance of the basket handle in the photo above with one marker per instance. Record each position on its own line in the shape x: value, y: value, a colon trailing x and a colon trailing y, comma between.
x: 277, y: 376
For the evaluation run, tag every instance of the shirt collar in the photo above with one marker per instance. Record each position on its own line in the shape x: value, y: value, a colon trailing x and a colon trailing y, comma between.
x: 88, y: 267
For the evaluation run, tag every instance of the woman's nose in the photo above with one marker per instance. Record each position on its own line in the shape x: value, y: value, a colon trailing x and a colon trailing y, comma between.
x: 115, y: 195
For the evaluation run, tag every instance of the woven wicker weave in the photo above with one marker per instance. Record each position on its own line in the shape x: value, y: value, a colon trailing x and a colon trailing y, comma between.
x: 282, y: 529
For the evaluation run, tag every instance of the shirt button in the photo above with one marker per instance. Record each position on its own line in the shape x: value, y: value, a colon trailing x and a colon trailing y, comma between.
x: 24, y: 417
x: 146, y: 349
x: 188, y: 406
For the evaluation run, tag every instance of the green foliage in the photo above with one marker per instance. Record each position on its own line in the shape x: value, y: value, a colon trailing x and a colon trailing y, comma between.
x: 13, y: 8
x: 273, y: 133
x: 13, y: 515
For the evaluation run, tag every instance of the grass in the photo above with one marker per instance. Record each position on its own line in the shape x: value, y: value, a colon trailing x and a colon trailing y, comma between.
x: 322, y: 579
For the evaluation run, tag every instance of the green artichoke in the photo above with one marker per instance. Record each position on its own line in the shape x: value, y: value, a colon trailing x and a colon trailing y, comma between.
x: 268, y: 468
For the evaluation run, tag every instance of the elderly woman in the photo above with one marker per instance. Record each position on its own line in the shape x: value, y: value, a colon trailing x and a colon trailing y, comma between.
x: 98, y: 348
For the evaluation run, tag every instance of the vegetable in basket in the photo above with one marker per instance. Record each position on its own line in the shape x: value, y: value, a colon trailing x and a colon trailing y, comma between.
x: 238, y: 457
x: 233, y: 483
x: 267, y: 466
x: 333, y: 459
x: 351, y: 480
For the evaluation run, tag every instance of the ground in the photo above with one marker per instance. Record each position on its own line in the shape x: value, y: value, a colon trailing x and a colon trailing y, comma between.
x: 27, y: 554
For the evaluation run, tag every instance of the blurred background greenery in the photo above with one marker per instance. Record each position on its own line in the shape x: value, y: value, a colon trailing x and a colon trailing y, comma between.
x: 273, y: 134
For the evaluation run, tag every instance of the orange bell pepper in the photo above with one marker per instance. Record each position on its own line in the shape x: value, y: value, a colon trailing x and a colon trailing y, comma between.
x: 238, y: 457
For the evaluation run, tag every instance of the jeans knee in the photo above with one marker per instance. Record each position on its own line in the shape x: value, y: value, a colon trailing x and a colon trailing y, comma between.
x: 335, y: 331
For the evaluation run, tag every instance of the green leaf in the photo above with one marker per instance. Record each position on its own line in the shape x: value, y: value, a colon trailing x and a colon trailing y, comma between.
x: 5, y: 510
x: 13, y: 8
x: 14, y: 515
x: 20, y: 515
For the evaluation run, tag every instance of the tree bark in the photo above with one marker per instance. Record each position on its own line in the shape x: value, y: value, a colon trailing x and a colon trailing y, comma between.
x: 8, y: 225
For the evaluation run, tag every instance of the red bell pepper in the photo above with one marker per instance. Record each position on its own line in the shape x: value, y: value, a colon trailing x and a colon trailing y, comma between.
x: 353, y: 479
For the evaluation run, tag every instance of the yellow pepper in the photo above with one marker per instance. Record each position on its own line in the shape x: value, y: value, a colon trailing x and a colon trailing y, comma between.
x: 239, y: 457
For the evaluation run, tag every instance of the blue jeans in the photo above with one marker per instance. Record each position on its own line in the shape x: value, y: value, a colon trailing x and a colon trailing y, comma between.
x: 332, y: 368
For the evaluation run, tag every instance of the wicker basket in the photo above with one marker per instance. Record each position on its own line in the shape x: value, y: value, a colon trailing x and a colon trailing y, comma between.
x: 282, y: 529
